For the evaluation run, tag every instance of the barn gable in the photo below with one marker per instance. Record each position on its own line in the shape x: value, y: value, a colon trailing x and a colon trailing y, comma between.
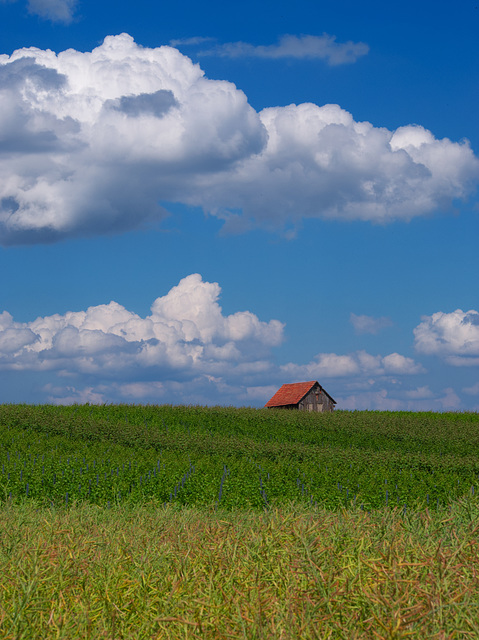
x: 303, y: 396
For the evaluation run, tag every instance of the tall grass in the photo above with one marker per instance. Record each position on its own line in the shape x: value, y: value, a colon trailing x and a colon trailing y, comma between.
x: 138, y: 572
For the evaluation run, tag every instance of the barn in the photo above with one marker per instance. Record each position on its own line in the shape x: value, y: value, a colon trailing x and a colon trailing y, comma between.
x: 303, y: 396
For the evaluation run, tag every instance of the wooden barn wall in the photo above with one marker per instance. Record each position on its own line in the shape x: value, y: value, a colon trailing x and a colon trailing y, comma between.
x: 312, y: 402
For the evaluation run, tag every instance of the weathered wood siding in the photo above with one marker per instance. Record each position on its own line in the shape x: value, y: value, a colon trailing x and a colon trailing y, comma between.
x: 316, y: 400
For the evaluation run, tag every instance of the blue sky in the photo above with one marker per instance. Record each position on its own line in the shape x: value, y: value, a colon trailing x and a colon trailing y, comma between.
x: 200, y: 202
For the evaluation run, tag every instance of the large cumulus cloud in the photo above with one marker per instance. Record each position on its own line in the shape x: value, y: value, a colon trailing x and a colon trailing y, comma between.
x: 319, y: 162
x: 91, y: 143
x: 186, y: 334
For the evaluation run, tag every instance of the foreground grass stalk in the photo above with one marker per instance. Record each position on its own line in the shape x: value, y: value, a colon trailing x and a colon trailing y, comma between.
x: 153, y: 572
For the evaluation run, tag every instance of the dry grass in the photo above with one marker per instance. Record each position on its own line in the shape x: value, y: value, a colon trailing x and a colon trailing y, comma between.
x: 148, y: 572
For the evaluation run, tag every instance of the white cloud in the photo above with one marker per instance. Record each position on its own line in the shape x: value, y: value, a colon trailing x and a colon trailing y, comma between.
x: 370, y: 400
x: 450, y: 401
x: 261, y: 392
x: 369, y: 324
x: 92, y: 142
x: 53, y: 10
x: 185, y: 334
x: 71, y: 395
x: 473, y: 390
x: 185, y: 350
x: 360, y: 363
x: 319, y: 162
x: 95, y: 140
x: 395, y: 363
x: 420, y: 393
x: 322, y: 47
x: 454, y: 336
x: 420, y: 399
x: 138, y: 391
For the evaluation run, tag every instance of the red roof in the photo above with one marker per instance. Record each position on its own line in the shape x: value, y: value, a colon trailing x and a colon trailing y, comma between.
x: 290, y: 394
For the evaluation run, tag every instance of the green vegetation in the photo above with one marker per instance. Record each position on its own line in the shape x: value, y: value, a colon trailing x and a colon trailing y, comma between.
x: 190, y: 522
x: 237, y: 458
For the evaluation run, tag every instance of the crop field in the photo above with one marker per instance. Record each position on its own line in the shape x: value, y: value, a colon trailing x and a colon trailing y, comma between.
x: 237, y: 458
x: 161, y: 522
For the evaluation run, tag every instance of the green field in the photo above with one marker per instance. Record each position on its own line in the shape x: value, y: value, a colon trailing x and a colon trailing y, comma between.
x: 190, y: 522
x: 237, y: 458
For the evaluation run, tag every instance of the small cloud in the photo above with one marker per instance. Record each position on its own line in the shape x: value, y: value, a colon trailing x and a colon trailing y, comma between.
x: 53, y: 10
x: 473, y: 391
x: 455, y: 336
x: 450, y: 400
x: 462, y: 361
x: 262, y: 393
x: 140, y: 390
x: 369, y: 324
x: 420, y: 393
x: 302, y: 47
x: 398, y: 364
x: 190, y: 42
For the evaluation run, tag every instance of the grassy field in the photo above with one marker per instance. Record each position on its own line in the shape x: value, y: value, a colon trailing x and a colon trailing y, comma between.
x: 187, y: 522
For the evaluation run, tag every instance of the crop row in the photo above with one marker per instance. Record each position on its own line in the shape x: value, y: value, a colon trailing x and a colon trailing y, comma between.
x: 433, y: 434
x: 36, y: 468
